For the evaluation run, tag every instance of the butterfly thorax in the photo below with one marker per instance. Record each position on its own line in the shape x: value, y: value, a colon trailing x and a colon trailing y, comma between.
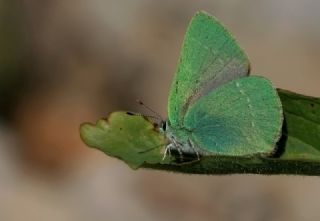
x: 179, y: 143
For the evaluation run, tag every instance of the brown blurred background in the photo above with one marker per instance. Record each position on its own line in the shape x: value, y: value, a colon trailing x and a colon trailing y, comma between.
x: 63, y: 62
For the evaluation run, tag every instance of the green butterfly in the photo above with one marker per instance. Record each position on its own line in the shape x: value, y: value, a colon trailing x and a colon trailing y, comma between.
x: 214, y: 108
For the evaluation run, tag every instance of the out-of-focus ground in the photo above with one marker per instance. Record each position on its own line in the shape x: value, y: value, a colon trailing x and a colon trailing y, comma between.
x: 63, y: 62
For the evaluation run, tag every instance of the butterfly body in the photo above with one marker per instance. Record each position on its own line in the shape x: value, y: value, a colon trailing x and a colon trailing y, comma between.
x: 213, y: 103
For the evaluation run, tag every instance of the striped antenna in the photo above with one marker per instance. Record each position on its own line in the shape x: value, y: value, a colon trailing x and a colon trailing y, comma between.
x: 151, y: 110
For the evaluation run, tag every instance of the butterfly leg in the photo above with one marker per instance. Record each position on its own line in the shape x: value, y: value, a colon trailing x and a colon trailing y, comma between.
x: 180, y: 152
x: 182, y: 156
x: 194, y: 149
x: 173, y: 146
x: 187, y: 153
x: 167, y: 151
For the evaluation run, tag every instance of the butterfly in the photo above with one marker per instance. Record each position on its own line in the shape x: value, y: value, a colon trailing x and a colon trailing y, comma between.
x: 214, y: 108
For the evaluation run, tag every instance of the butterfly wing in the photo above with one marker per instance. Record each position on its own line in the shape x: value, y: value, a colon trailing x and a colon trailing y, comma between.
x: 242, y: 117
x: 210, y: 57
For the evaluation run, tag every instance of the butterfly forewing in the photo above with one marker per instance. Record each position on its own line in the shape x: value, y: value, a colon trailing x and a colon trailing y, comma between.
x: 209, y: 58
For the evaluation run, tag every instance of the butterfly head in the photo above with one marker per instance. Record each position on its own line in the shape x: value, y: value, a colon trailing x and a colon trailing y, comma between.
x: 163, y: 126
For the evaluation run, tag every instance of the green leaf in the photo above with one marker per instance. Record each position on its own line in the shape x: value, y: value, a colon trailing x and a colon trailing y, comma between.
x: 126, y: 136
x: 301, y: 127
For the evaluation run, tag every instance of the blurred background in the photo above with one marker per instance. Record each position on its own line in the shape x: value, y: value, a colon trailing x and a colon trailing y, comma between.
x: 64, y: 62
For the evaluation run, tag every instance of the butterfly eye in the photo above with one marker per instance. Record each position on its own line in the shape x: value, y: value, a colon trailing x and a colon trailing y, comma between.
x: 164, y: 126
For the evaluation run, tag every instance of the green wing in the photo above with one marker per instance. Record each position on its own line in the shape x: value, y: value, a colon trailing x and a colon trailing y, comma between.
x: 210, y: 57
x: 131, y: 138
x: 242, y: 117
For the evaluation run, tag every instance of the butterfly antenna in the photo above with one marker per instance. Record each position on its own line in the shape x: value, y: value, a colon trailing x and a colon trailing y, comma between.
x: 151, y: 110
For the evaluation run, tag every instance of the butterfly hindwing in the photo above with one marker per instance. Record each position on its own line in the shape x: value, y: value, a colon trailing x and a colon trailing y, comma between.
x: 242, y: 117
x: 210, y: 57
